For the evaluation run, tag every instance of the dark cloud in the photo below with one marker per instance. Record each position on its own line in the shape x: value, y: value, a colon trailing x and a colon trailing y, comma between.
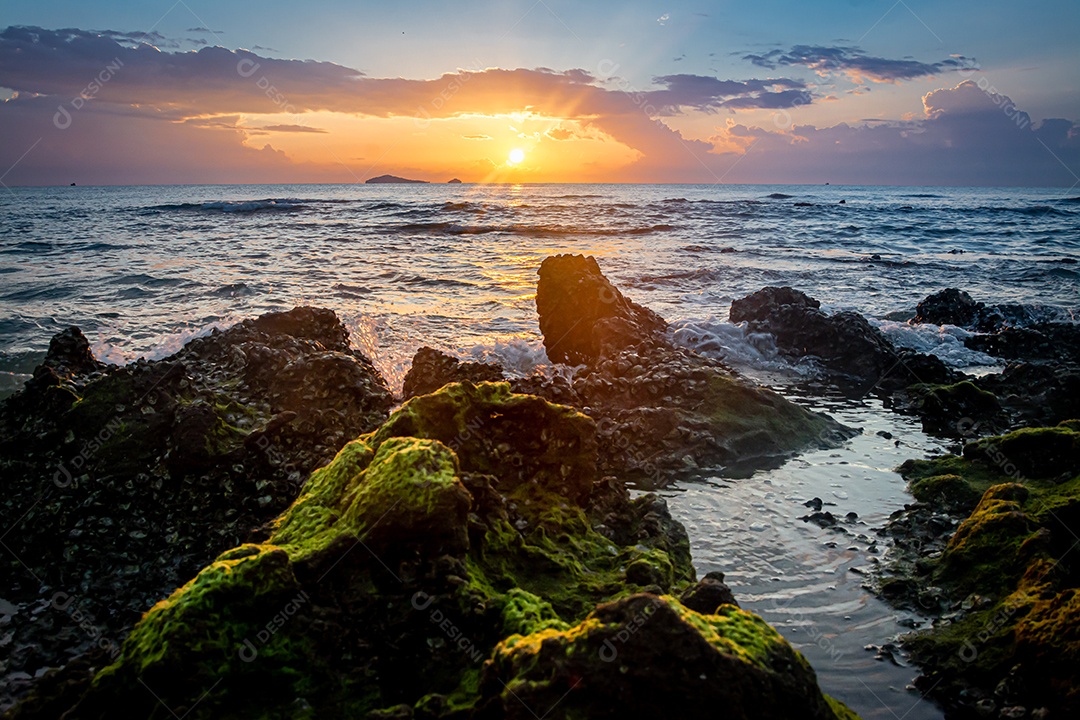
x: 709, y: 94
x: 854, y: 63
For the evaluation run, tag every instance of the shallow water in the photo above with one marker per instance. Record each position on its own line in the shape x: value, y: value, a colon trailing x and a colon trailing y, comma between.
x: 805, y: 580
x: 142, y: 270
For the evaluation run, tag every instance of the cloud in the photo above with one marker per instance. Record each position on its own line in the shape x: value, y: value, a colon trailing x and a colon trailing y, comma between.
x: 291, y: 129
x: 709, y: 94
x: 122, y: 97
x: 476, y: 137
x: 854, y: 63
x: 966, y: 136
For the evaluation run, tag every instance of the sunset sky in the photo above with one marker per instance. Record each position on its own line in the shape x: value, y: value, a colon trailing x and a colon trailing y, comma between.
x: 772, y: 91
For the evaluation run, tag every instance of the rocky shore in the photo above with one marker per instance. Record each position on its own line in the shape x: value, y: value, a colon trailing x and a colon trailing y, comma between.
x: 254, y: 527
x: 474, y: 553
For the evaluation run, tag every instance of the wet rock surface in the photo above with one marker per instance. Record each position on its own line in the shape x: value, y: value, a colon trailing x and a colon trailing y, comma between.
x: 120, y: 482
x: 432, y: 369
x: 850, y: 350
x: 986, y: 550
x: 424, y: 574
x: 583, y: 317
x: 661, y: 412
x: 612, y: 664
x: 953, y: 306
x: 1040, y: 384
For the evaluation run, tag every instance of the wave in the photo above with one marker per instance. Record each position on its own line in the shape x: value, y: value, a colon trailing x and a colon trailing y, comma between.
x: 736, y: 346
x: 450, y: 228
x: 923, y: 195
x: 234, y: 290
x: 147, y: 280
x: 1072, y: 201
x: 700, y: 274
x: 946, y: 342
x: 39, y: 294
x: 778, y: 196
x: 350, y: 291
x: 236, y: 206
x: 463, y: 207
x: 1036, y: 210
x: 423, y: 280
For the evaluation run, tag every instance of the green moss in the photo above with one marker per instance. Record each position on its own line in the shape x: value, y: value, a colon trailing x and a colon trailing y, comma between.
x: 842, y: 711
x: 957, y: 399
x: 606, y: 664
x: 1043, y: 452
x: 1011, y: 555
x: 518, y: 568
x: 738, y: 632
x: 524, y: 613
x: 759, y: 422
x: 954, y: 491
x: 983, y: 554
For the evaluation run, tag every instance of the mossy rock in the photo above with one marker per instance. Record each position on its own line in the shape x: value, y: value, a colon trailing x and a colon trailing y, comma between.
x: 941, y: 407
x: 1030, y: 452
x: 953, y: 490
x: 396, y: 572
x: 1008, y: 567
x: 525, y: 438
x: 634, y: 656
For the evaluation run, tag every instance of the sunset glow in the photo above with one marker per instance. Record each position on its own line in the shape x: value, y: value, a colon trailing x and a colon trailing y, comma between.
x: 516, y: 94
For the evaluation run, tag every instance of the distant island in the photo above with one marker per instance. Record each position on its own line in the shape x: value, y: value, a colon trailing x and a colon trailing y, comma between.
x: 453, y: 181
x: 393, y: 179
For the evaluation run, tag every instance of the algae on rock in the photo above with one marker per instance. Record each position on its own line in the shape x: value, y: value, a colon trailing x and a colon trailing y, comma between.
x: 1010, y: 638
x: 417, y: 565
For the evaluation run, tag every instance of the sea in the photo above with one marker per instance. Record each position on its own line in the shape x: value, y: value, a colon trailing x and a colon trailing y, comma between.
x: 142, y: 270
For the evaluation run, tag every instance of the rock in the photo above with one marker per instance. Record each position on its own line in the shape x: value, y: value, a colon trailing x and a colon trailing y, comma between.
x: 69, y: 353
x: 1035, y: 394
x: 661, y: 412
x: 399, y: 569
x: 123, y: 481
x: 952, y: 410
x: 635, y: 656
x: 1038, y: 342
x: 851, y: 350
x: 583, y: 317
x: 1030, y: 452
x: 987, y: 542
x: 393, y: 179
x: 708, y: 595
x: 432, y: 369
x: 949, y: 307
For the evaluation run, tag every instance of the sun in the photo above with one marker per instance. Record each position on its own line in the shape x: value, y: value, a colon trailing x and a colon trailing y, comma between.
x: 516, y: 156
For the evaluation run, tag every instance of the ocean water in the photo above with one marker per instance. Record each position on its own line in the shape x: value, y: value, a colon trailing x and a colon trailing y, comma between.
x: 143, y: 269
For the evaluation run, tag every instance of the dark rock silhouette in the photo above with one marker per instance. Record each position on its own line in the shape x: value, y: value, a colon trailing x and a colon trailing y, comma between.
x: 392, y: 179
x: 120, y: 482
x: 661, y: 412
x: 432, y: 369
x: 583, y: 317
x: 848, y: 347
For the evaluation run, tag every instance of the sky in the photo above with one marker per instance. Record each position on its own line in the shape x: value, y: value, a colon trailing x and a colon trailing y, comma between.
x: 890, y: 92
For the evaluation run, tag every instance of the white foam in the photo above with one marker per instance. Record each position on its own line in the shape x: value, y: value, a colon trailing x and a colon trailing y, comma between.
x: 945, y: 342
x: 163, y: 347
x: 734, y: 345
x: 517, y: 355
